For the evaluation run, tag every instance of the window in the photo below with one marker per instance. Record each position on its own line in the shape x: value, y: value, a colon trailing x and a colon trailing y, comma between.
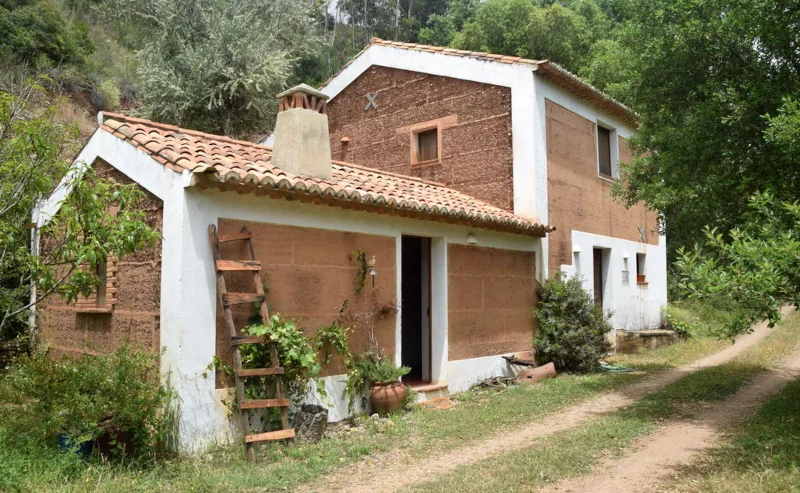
x: 426, y: 145
x: 604, y: 150
x: 640, y: 269
x: 105, y: 297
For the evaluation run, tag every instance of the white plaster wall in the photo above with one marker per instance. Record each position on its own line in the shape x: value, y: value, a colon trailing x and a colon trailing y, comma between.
x: 465, y: 373
x: 635, y: 306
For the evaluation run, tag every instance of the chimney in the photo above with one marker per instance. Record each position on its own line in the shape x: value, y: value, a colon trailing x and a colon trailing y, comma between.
x: 302, y: 144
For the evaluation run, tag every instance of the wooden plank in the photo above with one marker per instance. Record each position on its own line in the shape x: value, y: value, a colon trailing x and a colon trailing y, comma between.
x: 239, y: 298
x: 270, y: 435
x: 234, y: 265
x: 260, y: 372
x: 239, y: 340
x: 246, y: 235
x: 264, y: 403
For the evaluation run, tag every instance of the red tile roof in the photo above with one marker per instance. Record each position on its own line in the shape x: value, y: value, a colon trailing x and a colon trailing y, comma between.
x: 545, y: 68
x: 229, y: 164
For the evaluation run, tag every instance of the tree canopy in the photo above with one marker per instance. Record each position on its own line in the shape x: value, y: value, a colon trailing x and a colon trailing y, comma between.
x: 710, y: 80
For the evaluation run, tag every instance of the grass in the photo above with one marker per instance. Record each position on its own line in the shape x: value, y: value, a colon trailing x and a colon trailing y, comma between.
x: 415, y: 434
x: 574, y: 452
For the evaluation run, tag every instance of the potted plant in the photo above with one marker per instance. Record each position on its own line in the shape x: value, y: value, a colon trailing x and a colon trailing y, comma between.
x: 387, y: 394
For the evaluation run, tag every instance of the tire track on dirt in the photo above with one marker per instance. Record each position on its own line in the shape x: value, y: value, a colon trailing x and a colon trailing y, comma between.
x: 395, y: 474
x: 658, y: 457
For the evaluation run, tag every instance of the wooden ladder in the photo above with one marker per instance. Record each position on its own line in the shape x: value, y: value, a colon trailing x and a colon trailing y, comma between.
x: 227, y: 299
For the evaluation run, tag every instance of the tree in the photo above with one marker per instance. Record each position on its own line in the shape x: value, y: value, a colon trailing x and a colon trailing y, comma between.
x: 85, y: 232
x: 32, y: 29
x: 216, y: 66
x: 706, y: 77
x: 757, y: 266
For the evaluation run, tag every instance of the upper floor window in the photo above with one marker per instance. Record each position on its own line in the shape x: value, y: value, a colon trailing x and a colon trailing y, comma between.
x: 604, y: 151
x: 426, y: 145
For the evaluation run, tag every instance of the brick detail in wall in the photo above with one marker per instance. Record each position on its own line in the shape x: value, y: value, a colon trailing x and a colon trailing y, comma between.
x: 69, y: 330
x: 491, y: 296
x: 476, y: 152
x: 90, y: 305
x: 577, y: 198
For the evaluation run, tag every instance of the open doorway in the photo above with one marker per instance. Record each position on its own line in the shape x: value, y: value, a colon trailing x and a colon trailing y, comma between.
x: 415, y: 305
x: 600, y: 275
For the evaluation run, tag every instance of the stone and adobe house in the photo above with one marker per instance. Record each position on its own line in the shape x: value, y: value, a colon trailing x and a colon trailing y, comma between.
x: 460, y: 270
x: 523, y: 135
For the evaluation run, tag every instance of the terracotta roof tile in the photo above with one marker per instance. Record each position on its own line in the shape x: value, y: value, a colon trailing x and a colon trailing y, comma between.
x: 545, y: 68
x: 228, y: 164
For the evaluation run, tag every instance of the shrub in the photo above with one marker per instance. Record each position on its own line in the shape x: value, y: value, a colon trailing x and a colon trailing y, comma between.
x: 42, y: 398
x: 572, y: 329
x: 105, y: 95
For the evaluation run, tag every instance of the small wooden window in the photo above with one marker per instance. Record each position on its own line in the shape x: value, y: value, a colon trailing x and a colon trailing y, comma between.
x: 604, y: 150
x: 105, y: 297
x: 427, y: 145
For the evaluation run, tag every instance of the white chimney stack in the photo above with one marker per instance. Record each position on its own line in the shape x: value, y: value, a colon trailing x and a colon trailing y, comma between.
x: 302, y: 145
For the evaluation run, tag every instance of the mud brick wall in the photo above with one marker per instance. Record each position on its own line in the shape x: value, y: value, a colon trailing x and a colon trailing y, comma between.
x: 476, y: 153
x: 577, y: 198
x: 491, y: 295
x: 308, y: 273
x: 136, y: 316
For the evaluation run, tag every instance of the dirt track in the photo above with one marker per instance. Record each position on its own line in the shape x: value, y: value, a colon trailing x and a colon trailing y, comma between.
x: 394, y: 473
x: 657, y: 457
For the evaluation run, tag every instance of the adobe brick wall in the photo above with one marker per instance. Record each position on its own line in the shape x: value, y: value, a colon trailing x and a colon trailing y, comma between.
x: 578, y: 198
x: 136, y: 315
x: 476, y: 150
x: 491, y: 295
x: 308, y: 273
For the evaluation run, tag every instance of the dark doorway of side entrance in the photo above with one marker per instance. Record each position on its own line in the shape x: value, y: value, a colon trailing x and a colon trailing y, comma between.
x: 415, y: 308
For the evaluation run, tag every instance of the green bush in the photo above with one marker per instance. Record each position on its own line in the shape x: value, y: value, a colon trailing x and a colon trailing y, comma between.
x: 42, y: 398
x: 105, y: 95
x: 572, y: 329
x: 30, y: 29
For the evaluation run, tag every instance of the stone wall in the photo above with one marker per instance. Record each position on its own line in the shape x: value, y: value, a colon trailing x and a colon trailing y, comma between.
x: 578, y: 199
x: 308, y: 273
x: 135, y: 317
x: 476, y: 151
x: 491, y: 293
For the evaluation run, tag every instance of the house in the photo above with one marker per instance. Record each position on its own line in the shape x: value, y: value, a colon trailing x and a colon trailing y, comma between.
x: 523, y: 135
x: 461, y: 271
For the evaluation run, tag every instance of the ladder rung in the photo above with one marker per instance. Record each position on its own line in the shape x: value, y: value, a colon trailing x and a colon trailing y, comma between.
x: 260, y: 372
x: 271, y: 435
x: 235, y: 237
x: 239, y: 298
x: 225, y: 265
x: 239, y: 340
x: 262, y: 403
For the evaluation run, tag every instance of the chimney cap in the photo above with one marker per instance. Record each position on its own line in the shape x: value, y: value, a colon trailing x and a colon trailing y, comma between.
x: 304, y: 88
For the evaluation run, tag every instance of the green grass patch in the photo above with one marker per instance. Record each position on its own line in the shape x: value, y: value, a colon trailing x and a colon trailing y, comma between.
x: 479, y: 414
x: 573, y: 453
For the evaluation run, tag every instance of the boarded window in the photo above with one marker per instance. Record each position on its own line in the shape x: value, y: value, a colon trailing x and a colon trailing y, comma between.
x: 428, y: 145
x: 604, y: 150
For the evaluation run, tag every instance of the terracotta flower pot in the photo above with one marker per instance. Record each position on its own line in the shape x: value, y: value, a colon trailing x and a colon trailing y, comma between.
x: 386, y: 398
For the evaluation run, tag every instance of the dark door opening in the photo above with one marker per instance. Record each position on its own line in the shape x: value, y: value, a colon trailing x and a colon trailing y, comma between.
x: 598, y: 277
x: 415, y: 315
